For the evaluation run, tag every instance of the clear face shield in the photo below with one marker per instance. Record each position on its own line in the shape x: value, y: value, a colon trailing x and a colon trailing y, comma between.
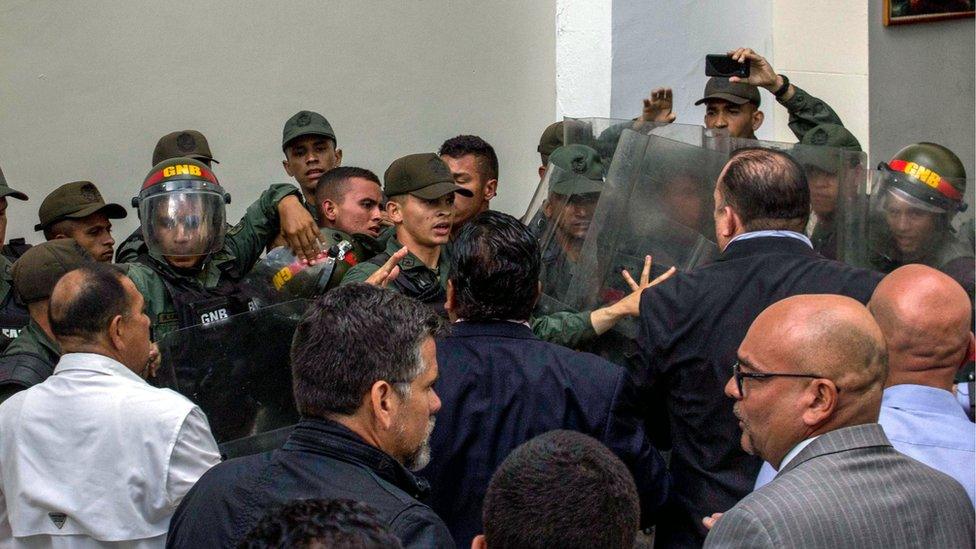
x: 183, y: 219
x: 904, y: 227
x: 560, y: 216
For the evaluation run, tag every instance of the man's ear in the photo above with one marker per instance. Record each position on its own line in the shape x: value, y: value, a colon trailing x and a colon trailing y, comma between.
x: 728, y: 223
x: 970, y: 351
x: 757, y: 119
x: 491, y: 189
x: 542, y: 172
x: 338, y: 158
x: 284, y: 164
x: 819, y: 401
x: 329, y: 209
x: 394, y: 211
x: 115, y: 332
x: 385, y: 404
x: 479, y: 542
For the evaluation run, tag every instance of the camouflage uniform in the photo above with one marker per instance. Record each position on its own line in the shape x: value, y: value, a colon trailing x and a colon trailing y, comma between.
x: 158, y: 281
x: 27, y: 361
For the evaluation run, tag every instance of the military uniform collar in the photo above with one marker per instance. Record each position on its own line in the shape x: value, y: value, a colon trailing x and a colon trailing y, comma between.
x: 50, y: 347
x: 413, y: 262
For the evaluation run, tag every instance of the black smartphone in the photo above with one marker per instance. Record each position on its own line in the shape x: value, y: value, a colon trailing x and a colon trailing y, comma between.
x: 723, y: 65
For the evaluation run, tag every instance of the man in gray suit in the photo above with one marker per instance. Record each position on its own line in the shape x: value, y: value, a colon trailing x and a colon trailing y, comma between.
x: 807, y: 385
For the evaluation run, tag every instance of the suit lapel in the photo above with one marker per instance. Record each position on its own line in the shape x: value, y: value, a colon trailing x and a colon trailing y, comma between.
x: 841, y: 440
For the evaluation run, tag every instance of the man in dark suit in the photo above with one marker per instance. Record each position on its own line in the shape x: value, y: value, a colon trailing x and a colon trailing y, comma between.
x: 807, y: 386
x: 500, y: 385
x: 691, y: 325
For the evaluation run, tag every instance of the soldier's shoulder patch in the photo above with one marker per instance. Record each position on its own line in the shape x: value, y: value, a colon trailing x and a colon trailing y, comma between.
x: 166, y: 317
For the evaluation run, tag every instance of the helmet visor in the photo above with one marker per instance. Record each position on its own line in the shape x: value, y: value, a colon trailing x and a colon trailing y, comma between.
x: 183, y: 223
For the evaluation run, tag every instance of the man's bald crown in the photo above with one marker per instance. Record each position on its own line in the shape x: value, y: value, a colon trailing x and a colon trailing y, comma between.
x: 830, y: 335
x: 925, y: 316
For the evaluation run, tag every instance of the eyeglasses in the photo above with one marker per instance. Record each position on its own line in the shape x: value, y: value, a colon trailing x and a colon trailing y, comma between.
x: 739, y: 375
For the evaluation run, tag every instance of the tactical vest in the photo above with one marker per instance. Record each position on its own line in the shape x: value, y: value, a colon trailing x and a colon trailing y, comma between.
x: 421, y: 284
x: 13, y: 316
x: 24, y: 370
x: 197, y: 305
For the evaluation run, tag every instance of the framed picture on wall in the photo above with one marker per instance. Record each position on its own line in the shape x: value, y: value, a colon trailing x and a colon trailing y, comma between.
x: 905, y: 12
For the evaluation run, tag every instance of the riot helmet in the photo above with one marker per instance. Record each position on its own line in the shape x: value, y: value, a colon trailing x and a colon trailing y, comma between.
x: 928, y: 176
x: 182, y: 209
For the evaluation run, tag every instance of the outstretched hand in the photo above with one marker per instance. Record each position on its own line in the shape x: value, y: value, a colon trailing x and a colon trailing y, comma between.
x: 389, y: 271
x: 657, y: 107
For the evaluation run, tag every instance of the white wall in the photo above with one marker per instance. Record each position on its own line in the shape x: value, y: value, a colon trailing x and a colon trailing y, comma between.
x: 88, y: 88
x: 662, y: 43
x: 583, y: 58
x: 823, y: 48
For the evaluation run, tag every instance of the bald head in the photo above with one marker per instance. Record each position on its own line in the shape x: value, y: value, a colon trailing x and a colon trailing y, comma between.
x: 925, y: 317
x: 808, y: 365
x: 832, y: 336
x: 83, y: 303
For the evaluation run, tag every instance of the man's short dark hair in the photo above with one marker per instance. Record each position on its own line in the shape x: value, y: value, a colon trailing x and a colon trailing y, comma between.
x: 767, y: 188
x: 456, y: 147
x: 494, y: 268
x: 88, y: 313
x: 561, y: 489
x: 332, y: 184
x: 332, y: 523
x: 352, y: 337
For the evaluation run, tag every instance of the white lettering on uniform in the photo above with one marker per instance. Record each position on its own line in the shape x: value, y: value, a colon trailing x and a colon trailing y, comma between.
x: 213, y: 316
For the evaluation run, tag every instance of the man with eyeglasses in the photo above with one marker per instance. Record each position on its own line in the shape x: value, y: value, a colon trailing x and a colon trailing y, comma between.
x: 692, y: 324
x: 807, y: 384
x: 925, y: 317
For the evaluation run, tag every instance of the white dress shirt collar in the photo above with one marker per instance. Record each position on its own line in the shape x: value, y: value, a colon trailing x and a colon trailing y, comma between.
x: 93, y: 362
x: 796, y: 450
x: 778, y: 234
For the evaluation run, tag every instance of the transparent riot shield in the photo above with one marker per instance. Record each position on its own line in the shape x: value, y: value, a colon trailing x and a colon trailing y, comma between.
x: 658, y: 201
x: 560, y: 217
x: 899, y: 223
x: 600, y: 134
x: 236, y: 369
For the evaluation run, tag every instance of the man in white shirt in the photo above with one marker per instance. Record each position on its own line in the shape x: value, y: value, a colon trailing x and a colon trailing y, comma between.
x: 95, y: 456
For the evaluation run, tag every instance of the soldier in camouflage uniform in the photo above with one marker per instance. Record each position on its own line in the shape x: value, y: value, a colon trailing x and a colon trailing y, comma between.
x: 311, y: 150
x: 348, y: 200
x: 921, y: 189
x: 193, y: 271
x: 184, y: 143
x: 31, y: 358
x: 733, y: 103
x: 13, y: 315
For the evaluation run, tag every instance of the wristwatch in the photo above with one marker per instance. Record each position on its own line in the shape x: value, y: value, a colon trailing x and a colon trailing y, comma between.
x: 781, y: 91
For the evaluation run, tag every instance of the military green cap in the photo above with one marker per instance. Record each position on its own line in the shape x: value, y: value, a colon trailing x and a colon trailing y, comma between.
x: 184, y: 143
x: 73, y: 201
x: 306, y: 123
x: 739, y: 93
x: 37, y: 271
x: 575, y: 169
x: 423, y: 175
x: 5, y: 189
x: 831, y: 135
x: 552, y: 138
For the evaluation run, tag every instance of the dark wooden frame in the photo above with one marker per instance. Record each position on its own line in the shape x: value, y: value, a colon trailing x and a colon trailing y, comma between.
x: 912, y: 19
